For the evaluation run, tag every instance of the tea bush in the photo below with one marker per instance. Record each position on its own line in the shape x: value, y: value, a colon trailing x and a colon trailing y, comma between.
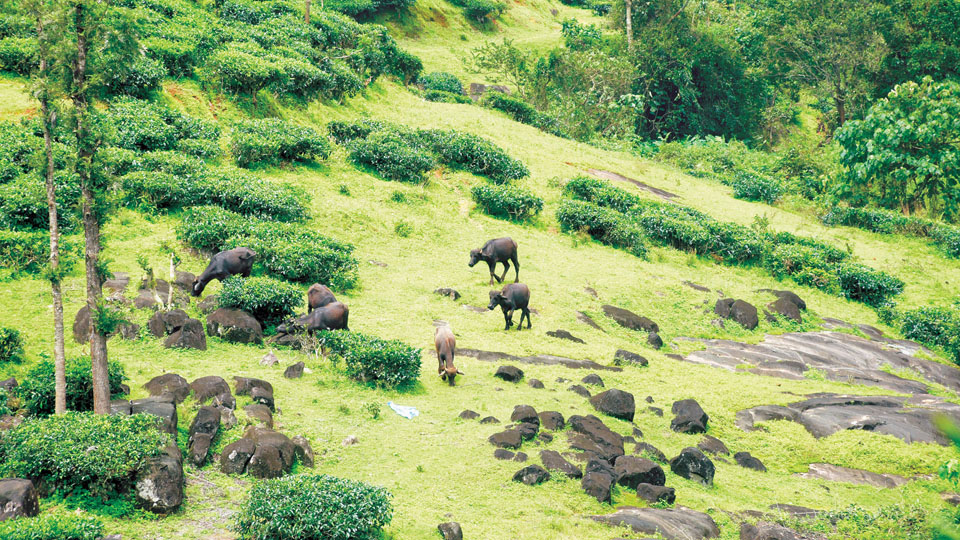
x: 864, y: 284
x: 944, y: 236
x: 603, y: 224
x: 234, y: 71
x: 480, y: 11
x: 387, y: 363
x: 97, y: 452
x: 935, y: 327
x: 346, y: 132
x: 754, y: 187
x: 522, y: 112
x: 507, y: 201
x: 23, y: 202
x: 474, y: 154
x: 37, y: 390
x: 445, y: 97
x: 144, y: 126
x: 18, y: 55
x: 391, y: 156
x: 272, y: 140
x: 50, y: 526
x: 139, y: 80
x: 11, y: 345
x: 4, y: 402
x: 441, y: 80
x: 270, y: 301
x: 23, y: 251
x: 947, y: 237
x: 314, y: 507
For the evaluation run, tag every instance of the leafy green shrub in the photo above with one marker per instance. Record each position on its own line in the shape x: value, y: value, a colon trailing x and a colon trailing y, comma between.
x: 272, y: 140
x: 388, y: 363
x: 38, y: 393
x: 864, y: 284
x: 804, y: 264
x: 480, y: 11
x: 391, y: 156
x: 507, y: 201
x: 754, y: 187
x: 201, y: 148
x: 947, y: 237
x: 590, y: 189
x: 18, y: 150
x: 23, y: 251
x: 141, y: 125
x: 475, y: 154
x: 178, y: 57
x: 139, y: 80
x: 878, y: 220
x: 441, y: 80
x: 312, y: 507
x: 11, y: 345
x: 50, y: 526
x: 268, y: 300
x: 18, y: 55
x: 4, y: 402
x: 346, y: 132
x: 238, y: 72
x: 935, y: 327
x: 603, y: 224
x: 522, y: 112
x: 23, y: 202
x: 440, y: 96
x: 97, y: 452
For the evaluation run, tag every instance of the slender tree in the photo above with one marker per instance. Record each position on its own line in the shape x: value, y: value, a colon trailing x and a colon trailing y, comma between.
x: 306, y: 11
x: 628, y: 9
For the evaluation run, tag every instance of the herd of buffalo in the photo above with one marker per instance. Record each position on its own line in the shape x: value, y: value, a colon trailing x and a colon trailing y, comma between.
x: 325, y: 312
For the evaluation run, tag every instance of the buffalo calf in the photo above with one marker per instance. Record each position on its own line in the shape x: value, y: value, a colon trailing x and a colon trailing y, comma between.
x: 498, y: 250
x: 513, y: 297
x: 319, y: 296
x: 333, y: 316
x: 446, y: 345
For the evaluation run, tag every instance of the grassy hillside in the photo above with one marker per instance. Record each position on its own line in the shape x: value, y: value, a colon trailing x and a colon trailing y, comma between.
x: 438, y: 467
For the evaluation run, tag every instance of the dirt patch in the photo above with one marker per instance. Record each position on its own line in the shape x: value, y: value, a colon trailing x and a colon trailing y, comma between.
x: 607, y: 175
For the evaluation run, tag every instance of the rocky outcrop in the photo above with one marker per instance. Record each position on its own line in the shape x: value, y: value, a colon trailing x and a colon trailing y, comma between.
x: 188, y: 336
x: 673, y: 524
x: 509, y: 373
x: 616, y: 403
x: 169, y: 383
x: 692, y: 464
x: 835, y: 473
x: 688, y: 417
x: 159, y: 486
x: 18, y: 498
x: 235, y: 326
x: 629, y: 319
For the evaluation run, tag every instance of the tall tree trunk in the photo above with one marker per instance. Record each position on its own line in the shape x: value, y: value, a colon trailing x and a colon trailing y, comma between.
x: 840, y: 102
x: 628, y: 7
x: 47, y: 120
x: 306, y: 11
x: 91, y: 225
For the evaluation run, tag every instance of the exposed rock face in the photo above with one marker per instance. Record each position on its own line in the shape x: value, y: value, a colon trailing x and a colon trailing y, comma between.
x: 541, y: 359
x: 629, y: 319
x: 787, y: 308
x: 580, y: 390
x: 303, y: 450
x: 563, y: 334
x: 588, y: 320
x: 209, y: 387
x: 616, y: 403
x: 188, y: 336
x: 654, y: 340
x: 593, y: 379
x: 632, y: 471
x: 713, y: 445
x: 161, y: 407
x: 835, y: 473
x: 235, y: 326
x: 692, y: 464
x: 688, y: 417
x: 169, y: 383
x: 164, y: 323
x: 503, y: 455
x: 531, y: 475
x: 528, y: 431
x: 598, y: 485
x: 654, y: 493
x: 647, y: 449
x: 535, y: 383
x: 673, y: 524
x: 261, y: 413
x: 159, y: 487
x: 489, y: 420
x: 450, y: 531
x: 236, y: 455
x: 509, y: 373
x: 745, y: 460
x: 18, y: 498
x: 551, y: 420
x: 767, y: 531
x: 553, y: 461
x: 592, y: 436
x: 622, y: 357
x: 510, y: 438
x: 826, y: 414
x: 469, y: 415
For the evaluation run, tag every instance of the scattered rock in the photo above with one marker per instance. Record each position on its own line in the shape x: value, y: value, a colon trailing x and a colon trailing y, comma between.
x: 696, y: 287
x: 469, y: 415
x: 294, y: 371
x: 202, y: 431
x: 787, y: 308
x: 738, y: 310
x: 269, y: 360
x: 653, y: 339
x: 593, y: 436
x: 531, y: 475
x: 350, y: 440
x: 81, y: 326
x: 236, y: 455
x: 9, y: 384
x: 795, y: 511
x: 767, y: 531
x: 553, y: 461
x: 260, y: 413
x: 692, y: 464
x: 835, y: 473
x: 745, y: 460
x: 789, y: 296
x: 525, y: 414
x: 591, y: 291
x: 206, y: 388
x: 506, y: 439
x: 656, y: 410
x: 162, y: 408
x: 588, y: 320
x: 622, y: 357
x: 551, y: 420
x: 651, y: 451
x: 450, y: 531
x: 169, y: 383
x: 378, y: 263
x: 265, y: 462
x: 303, y: 450
x: 209, y: 304
x: 535, y: 383
x: 656, y: 493
x: 951, y: 498
x: 616, y: 403
x: 159, y: 486
x: 632, y: 471
x: 227, y: 418
x: 504, y: 455
x: 520, y: 457
x: 629, y: 319
x: 593, y: 379
x: 528, y: 431
x: 545, y: 437
x: 616, y: 177
x: 598, y: 485
x: 563, y: 334
x: 235, y: 326
x: 580, y: 390
x: 509, y: 373
x: 713, y: 445
x: 263, y: 396
x: 688, y: 417
x: 448, y: 292
x: 541, y: 359
x: 188, y: 336
x: 118, y: 283
x: 489, y: 420
x: 18, y: 498
x: 673, y: 524
x: 244, y: 386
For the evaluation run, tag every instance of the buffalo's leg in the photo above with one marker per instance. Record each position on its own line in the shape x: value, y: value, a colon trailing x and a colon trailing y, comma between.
x: 516, y: 268
x: 493, y: 271
x: 506, y: 266
x: 507, y: 318
x: 526, y: 311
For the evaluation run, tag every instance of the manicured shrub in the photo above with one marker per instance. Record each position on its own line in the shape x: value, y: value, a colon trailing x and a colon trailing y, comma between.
x: 507, y: 201
x: 404, y: 65
x: 302, y: 79
x: 935, y: 327
x: 947, y: 237
x: 590, y: 189
x: 270, y: 301
x: 391, y: 156
x: 37, y: 390
x: 522, y: 112
x: 314, y: 507
x: 179, y: 57
x: 871, y: 219
x: 201, y: 148
x: 237, y: 72
x: 441, y: 80
x: 603, y: 224
x: 864, y: 284
x: 440, y: 96
x: 23, y: 202
x: 272, y: 140
x: 23, y: 251
x: 141, y: 125
x: 804, y: 264
x: 387, y: 363
x: 18, y: 55
x: 138, y: 80
x: 345, y: 132
x: 474, y: 154
x: 481, y: 11
x: 11, y: 345
x: 50, y: 526
x: 97, y: 452
x: 754, y: 187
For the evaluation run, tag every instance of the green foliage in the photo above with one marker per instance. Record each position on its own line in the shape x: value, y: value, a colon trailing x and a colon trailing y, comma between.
x: 507, y: 201
x: 754, y: 187
x: 268, y: 300
x: 237, y: 72
x: 23, y: 202
x: 474, y: 154
x: 441, y: 80
x: 11, y: 345
x: 578, y: 36
x: 346, y: 132
x: 904, y: 154
x: 22, y: 251
x: 4, y: 402
x: 901, y: 521
x: 935, y: 327
x: 38, y: 392
x: 481, y: 11
x: 387, y: 363
x: 18, y: 55
x: 139, y: 79
x: 52, y: 526
x: 864, y: 284
x: 522, y: 112
x: 311, y: 507
x: 391, y: 156
x: 141, y: 125
x: 948, y: 238
x: 603, y: 224
x: 272, y: 140
x: 114, y: 448
x: 445, y: 97
x: 403, y: 229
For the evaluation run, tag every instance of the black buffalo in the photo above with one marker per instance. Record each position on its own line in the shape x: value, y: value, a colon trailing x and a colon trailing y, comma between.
x: 319, y: 296
x: 333, y: 316
x: 513, y: 297
x: 498, y: 250
x: 237, y: 261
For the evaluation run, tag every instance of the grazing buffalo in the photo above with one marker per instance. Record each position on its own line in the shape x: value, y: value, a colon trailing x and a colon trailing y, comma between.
x: 319, y: 296
x: 446, y: 346
x: 225, y: 264
x: 329, y: 317
x: 499, y: 250
x: 513, y: 297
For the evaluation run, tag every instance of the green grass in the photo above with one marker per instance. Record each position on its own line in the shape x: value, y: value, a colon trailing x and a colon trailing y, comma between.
x: 438, y: 467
